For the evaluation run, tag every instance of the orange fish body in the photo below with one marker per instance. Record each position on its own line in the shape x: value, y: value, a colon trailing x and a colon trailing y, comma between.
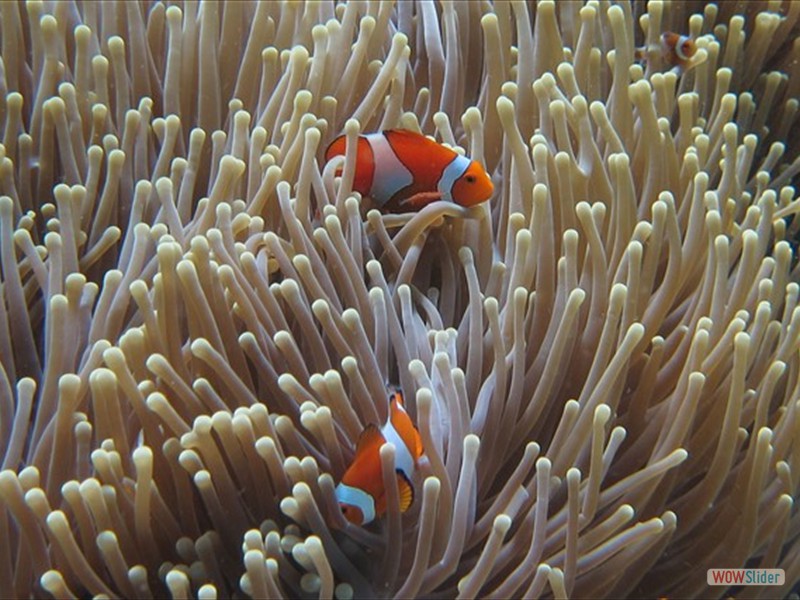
x: 403, y: 171
x: 361, y: 493
x: 678, y: 51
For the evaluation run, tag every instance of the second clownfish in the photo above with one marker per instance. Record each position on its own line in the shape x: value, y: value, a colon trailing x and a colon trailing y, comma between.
x: 678, y: 51
x: 361, y: 493
x: 403, y: 171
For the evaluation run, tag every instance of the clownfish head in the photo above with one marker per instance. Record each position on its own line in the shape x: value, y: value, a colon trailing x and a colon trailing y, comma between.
x: 677, y: 48
x: 473, y: 186
x: 357, y: 505
x: 352, y: 513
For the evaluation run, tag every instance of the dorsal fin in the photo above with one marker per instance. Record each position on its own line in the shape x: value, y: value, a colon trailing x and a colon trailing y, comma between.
x: 406, y: 132
x: 369, y: 437
x: 406, y: 490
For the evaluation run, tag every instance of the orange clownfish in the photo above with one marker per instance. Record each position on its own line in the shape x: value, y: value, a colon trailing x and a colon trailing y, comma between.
x: 677, y: 51
x: 361, y: 494
x: 403, y: 171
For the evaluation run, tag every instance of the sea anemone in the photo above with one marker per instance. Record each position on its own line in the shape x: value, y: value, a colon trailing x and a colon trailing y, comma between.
x: 199, y: 318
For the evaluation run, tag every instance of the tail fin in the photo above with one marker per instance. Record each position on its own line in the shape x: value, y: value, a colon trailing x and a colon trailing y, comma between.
x: 336, y: 148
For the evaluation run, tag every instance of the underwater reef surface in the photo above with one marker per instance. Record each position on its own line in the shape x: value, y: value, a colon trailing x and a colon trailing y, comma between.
x: 199, y: 317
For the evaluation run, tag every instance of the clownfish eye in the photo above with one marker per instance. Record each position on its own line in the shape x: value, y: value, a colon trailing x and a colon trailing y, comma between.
x: 470, y: 178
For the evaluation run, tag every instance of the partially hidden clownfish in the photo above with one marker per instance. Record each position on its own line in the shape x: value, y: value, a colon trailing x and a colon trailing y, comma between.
x: 403, y: 171
x: 678, y: 51
x: 361, y: 493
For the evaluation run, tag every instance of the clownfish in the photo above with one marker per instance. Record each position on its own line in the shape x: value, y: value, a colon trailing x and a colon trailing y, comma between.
x: 676, y: 50
x: 361, y: 493
x: 403, y: 171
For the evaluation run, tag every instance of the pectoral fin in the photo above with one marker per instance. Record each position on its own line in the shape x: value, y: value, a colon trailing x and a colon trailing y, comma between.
x: 406, y: 491
x: 421, y: 199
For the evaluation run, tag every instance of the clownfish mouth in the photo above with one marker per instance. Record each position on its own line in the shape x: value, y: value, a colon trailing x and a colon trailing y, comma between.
x: 473, y: 187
